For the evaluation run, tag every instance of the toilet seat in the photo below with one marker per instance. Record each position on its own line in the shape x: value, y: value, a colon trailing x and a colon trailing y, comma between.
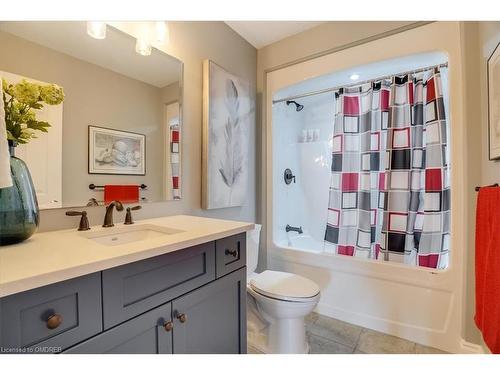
x: 284, y: 286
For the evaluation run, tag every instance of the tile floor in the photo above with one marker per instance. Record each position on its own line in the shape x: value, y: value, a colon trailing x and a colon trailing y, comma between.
x: 332, y: 336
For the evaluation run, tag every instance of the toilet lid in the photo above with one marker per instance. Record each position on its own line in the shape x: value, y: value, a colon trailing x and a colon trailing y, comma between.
x: 284, y: 285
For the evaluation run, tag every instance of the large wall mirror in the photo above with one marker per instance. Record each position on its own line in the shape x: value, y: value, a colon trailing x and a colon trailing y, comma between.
x: 118, y: 131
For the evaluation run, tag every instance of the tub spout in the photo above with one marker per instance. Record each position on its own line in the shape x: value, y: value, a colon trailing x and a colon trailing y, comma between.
x: 293, y: 229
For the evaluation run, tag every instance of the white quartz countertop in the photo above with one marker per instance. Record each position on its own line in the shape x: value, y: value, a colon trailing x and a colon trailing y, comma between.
x: 50, y: 257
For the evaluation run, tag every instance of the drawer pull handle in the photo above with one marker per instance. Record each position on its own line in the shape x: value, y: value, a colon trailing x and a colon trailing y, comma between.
x: 168, y: 326
x: 182, y: 318
x: 234, y: 253
x: 54, y: 321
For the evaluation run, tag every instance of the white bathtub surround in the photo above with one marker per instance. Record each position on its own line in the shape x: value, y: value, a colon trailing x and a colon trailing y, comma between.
x: 5, y: 177
x: 277, y: 304
x: 421, y: 305
x: 50, y: 257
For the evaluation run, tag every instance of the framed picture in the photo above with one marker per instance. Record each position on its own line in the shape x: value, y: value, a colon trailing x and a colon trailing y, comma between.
x: 494, y: 104
x: 114, y: 151
x: 228, y: 114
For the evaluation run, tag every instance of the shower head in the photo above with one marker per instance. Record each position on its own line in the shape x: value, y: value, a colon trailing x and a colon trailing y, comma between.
x: 299, y: 107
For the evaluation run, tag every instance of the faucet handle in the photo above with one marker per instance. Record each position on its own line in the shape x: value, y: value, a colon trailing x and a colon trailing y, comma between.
x: 128, y: 216
x: 84, y: 221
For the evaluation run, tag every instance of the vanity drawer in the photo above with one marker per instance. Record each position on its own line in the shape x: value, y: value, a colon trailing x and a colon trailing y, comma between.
x: 55, y: 316
x: 230, y: 253
x: 132, y: 289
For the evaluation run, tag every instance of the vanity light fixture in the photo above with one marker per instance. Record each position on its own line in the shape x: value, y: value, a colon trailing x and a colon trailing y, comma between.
x: 354, y: 76
x: 143, y: 47
x: 96, y: 30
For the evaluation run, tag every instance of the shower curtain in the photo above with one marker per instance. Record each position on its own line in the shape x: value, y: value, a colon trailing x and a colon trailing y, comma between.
x: 390, y: 191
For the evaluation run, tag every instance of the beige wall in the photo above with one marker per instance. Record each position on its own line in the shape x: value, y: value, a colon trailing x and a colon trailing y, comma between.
x: 321, y: 39
x: 473, y: 161
x: 94, y: 96
x: 170, y: 93
x: 488, y: 39
x: 480, y: 39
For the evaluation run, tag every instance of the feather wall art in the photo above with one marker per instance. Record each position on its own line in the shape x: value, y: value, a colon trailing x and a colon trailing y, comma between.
x: 228, y: 114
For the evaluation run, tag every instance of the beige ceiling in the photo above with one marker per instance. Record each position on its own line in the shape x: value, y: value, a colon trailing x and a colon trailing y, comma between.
x: 262, y: 33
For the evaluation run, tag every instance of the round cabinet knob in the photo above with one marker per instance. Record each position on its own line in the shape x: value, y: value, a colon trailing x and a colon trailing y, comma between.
x: 54, y: 321
x: 168, y: 326
x: 182, y: 318
x: 234, y: 253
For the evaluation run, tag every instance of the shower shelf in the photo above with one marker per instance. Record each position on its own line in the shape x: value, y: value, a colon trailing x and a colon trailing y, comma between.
x: 307, y: 143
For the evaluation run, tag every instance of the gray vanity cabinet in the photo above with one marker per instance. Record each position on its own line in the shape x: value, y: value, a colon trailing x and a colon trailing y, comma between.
x: 188, y: 301
x: 208, y: 320
x: 215, y: 317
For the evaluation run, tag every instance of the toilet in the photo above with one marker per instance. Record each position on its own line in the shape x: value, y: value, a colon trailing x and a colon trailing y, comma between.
x: 277, y: 304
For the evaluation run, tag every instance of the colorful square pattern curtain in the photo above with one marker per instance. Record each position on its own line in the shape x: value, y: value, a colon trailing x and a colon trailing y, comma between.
x: 390, y: 191
x: 175, y: 159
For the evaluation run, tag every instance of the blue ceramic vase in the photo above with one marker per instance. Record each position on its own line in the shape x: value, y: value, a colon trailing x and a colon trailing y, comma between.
x: 19, y: 213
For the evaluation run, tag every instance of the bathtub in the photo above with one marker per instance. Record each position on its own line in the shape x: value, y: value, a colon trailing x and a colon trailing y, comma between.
x: 302, y: 242
x: 414, y: 303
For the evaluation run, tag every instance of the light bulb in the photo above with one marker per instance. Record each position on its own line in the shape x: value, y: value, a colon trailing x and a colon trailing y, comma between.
x: 96, y: 30
x: 143, y: 47
x: 162, y: 32
x: 354, y: 76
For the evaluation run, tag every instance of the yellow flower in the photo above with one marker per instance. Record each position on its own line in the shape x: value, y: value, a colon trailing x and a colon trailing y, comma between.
x: 27, y: 133
x: 52, y: 94
x: 21, y: 109
x: 26, y: 92
x: 7, y: 87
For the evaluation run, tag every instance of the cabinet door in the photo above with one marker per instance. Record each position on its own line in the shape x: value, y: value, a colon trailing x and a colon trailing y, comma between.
x: 212, y: 319
x: 149, y: 333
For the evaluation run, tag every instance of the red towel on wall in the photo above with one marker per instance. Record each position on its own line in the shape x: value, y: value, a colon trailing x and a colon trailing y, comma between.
x: 487, y: 316
x: 123, y: 193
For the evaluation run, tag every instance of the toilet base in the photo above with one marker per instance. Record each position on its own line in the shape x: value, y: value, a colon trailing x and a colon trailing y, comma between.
x: 287, y: 336
x: 275, y: 336
x: 258, y: 343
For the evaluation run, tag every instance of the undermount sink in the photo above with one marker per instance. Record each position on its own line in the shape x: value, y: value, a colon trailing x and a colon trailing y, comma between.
x: 133, y: 233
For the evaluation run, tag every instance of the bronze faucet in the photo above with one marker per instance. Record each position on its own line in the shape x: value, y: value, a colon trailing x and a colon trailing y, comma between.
x: 84, y: 221
x: 108, y: 218
x: 128, y: 217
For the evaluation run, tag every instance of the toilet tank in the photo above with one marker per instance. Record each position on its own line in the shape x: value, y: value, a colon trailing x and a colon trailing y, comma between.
x: 253, y: 237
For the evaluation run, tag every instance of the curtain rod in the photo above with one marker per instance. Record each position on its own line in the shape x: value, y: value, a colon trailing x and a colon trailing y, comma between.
x: 311, y: 93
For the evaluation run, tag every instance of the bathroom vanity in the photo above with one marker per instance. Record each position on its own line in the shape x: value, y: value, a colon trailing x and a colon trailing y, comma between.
x: 168, y: 285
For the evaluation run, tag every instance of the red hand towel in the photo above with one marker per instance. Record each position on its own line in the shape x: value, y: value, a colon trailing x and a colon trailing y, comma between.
x: 487, y: 316
x: 123, y: 193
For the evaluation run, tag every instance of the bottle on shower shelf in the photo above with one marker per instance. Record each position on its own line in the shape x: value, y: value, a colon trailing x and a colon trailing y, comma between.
x: 316, y: 135
x: 310, y: 135
x: 303, y: 137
